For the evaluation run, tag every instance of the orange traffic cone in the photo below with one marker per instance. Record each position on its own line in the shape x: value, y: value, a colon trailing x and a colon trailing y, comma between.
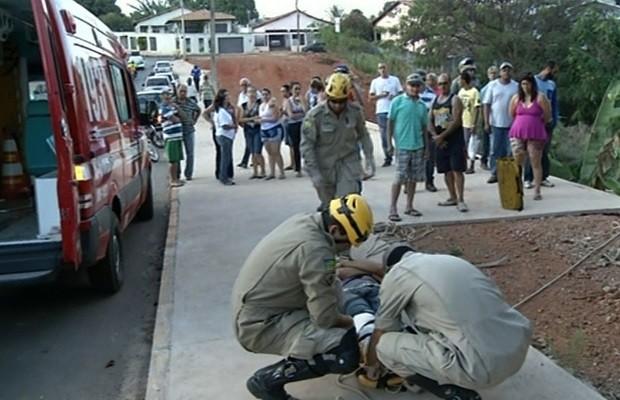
x: 14, y: 181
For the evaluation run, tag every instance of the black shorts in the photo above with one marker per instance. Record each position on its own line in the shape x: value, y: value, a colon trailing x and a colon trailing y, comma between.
x: 451, y: 158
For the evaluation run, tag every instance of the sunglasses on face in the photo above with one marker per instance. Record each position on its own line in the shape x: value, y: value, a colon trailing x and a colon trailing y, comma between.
x: 443, y: 83
x: 338, y: 101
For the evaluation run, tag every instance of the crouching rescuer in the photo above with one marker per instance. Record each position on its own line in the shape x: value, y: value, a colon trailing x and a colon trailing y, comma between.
x: 460, y: 335
x: 286, y: 302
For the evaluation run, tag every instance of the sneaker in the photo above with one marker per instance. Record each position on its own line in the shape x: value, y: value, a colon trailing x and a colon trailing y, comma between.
x: 430, y: 187
x: 547, y: 183
x: 484, y: 166
x: 386, y: 164
x: 462, y: 207
x: 528, y: 185
x: 492, y: 179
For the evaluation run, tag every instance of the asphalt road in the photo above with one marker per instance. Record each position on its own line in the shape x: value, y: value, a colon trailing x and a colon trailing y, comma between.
x: 63, y: 341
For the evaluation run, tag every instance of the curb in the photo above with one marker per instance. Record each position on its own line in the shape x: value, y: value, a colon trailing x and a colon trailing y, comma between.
x: 157, y: 384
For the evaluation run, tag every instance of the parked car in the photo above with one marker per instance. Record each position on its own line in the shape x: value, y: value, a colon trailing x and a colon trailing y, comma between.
x: 137, y: 59
x: 156, y: 82
x: 170, y: 76
x: 316, y: 47
x: 162, y: 66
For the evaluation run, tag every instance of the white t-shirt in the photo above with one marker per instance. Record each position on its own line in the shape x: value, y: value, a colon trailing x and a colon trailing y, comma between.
x: 221, y: 118
x: 379, y: 85
x: 498, y: 95
x: 243, y: 97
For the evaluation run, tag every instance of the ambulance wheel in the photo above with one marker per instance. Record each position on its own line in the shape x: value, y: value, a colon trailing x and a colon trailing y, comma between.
x: 147, y: 209
x: 107, y: 275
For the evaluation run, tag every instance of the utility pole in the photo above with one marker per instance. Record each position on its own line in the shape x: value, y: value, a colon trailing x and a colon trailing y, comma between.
x: 298, y: 35
x: 182, y: 44
x: 213, y: 71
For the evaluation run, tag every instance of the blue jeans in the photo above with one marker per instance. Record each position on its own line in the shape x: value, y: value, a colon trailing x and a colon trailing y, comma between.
x: 500, y: 146
x: 226, y: 147
x: 188, y: 142
x: 382, y: 119
x: 546, y: 165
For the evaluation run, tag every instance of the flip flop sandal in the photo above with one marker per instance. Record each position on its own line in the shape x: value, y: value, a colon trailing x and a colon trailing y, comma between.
x: 394, y: 217
x: 413, y: 212
x: 447, y: 203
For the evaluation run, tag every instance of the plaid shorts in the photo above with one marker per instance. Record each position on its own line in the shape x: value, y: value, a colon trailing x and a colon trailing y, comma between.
x: 410, y: 166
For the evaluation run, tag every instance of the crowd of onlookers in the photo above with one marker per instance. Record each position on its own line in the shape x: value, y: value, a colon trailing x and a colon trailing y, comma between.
x: 462, y: 121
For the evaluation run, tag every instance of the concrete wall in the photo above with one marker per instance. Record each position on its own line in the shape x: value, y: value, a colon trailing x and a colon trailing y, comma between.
x: 169, y: 44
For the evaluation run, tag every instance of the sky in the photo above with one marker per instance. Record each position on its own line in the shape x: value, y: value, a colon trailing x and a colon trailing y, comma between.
x: 317, y: 8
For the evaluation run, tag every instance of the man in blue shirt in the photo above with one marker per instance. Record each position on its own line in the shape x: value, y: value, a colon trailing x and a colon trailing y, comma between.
x: 545, y: 81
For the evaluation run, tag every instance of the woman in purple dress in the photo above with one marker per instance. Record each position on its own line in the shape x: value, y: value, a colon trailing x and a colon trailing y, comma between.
x: 531, y: 111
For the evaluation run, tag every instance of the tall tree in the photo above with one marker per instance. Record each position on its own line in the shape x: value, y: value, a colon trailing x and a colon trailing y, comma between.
x: 357, y: 25
x: 522, y: 31
x: 100, y: 7
x: 117, y: 22
x: 335, y: 12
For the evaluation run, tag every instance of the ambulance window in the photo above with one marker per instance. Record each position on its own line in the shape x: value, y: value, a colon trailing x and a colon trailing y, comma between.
x: 120, y: 93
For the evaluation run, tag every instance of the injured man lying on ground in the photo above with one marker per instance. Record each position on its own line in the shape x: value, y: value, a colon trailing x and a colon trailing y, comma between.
x: 430, y: 321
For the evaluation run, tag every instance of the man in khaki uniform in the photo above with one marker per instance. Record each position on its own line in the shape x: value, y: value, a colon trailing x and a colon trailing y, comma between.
x: 285, y: 300
x: 330, y: 138
x: 466, y: 337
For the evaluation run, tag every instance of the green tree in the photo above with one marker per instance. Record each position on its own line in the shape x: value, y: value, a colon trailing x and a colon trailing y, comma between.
x: 335, y: 12
x: 100, y: 7
x: 117, y: 22
x: 591, y: 64
x: 357, y: 25
x: 522, y: 31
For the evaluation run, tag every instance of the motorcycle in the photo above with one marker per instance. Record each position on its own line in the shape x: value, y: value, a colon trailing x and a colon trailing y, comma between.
x: 155, y: 141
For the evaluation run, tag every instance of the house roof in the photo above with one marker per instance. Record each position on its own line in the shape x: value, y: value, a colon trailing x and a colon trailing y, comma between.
x: 204, y: 15
x: 270, y: 20
x: 390, y: 9
x: 156, y: 15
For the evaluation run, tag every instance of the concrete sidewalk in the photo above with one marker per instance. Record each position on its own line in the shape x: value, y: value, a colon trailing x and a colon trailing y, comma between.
x: 214, y: 227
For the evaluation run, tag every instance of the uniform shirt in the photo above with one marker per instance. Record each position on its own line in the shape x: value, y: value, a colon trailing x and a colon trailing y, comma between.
x: 498, y: 95
x: 459, y: 308
x: 409, y: 118
x: 290, y: 269
x: 471, y: 101
x: 379, y: 85
x: 171, y: 130
x: 329, y: 141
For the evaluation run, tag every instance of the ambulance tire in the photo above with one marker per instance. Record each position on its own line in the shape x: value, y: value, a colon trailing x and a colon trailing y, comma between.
x: 107, y: 275
x: 147, y: 209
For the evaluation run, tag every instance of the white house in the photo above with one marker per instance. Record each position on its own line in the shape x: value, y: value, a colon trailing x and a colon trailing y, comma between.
x: 186, y: 32
x: 287, y: 31
x: 388, y: 21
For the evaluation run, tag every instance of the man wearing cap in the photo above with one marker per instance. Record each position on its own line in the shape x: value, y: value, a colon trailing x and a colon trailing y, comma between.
x: 285, y: 299
x: 465, y: 65
x: 461, y: 335
x: 382, y: 90
x: 330, y: 136
x: 497, y: 118
x: 492, y: 74
x: 407, y: 121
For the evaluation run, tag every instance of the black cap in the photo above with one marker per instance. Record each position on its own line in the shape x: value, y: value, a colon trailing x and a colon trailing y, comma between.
x: 394, y: 254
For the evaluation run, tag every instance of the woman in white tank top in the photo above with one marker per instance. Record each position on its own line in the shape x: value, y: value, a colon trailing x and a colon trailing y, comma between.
x: 272, y: 133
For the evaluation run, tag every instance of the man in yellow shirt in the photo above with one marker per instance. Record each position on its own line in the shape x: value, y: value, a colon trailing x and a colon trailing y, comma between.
x: 470, y: 98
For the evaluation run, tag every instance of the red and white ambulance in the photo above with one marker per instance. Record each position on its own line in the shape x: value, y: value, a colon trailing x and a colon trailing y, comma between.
x: 69, y: 104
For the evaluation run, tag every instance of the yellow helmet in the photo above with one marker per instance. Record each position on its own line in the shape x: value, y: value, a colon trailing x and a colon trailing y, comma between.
x: 355, y: 216
x: 338, y: 86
